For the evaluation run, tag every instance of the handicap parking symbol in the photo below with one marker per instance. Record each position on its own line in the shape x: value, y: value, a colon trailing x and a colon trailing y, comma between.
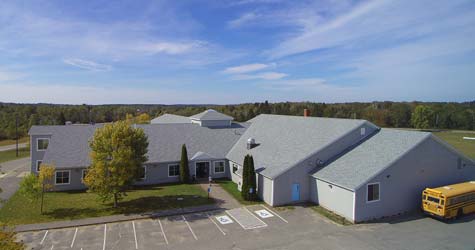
x: 264, y: 213
x: 224, y: 219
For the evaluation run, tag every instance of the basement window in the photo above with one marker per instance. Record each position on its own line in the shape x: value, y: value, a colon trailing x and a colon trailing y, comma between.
x: 372, y: 192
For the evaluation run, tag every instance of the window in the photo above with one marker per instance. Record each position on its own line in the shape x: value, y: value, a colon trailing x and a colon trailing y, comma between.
x: 372, y: 192
x: 218, y: 167
x: 142, y: 174
x: 173, y: 170
x: 38, y: 165
x: 62, y: 177
x: 42, y: 144
x: 433, y: 199
x: 235, y: 167
x: 84, y: 173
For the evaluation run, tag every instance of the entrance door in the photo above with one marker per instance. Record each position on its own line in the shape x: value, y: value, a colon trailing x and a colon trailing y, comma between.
x: 295, y: 192
x: 202, y: 169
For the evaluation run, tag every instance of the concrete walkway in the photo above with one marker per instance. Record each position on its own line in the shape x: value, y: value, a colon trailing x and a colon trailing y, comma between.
x: 222, y: 198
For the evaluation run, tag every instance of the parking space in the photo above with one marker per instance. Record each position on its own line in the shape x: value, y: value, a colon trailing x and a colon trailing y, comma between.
x: 154, y: 233
x: 292, y: 228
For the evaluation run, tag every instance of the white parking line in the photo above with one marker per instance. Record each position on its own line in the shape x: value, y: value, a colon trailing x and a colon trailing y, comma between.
x: 191, y: 230
x: 235, y: 219
x: 74, y: 237
x: 135, y: 236
x: 284, y: 220
x: 214, y: 222
x: 44, y: 237
x: 163, y: 232
x: 265, y: 225
x: 52, y: 246
x: 105, y: 235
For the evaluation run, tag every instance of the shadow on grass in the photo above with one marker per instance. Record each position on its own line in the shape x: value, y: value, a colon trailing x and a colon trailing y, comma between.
x: 135, y: 206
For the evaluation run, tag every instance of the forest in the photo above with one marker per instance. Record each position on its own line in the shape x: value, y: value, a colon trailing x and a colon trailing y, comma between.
x: 425, y: 115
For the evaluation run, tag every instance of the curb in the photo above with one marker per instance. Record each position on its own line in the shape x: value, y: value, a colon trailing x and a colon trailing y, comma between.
x: 111, y: 219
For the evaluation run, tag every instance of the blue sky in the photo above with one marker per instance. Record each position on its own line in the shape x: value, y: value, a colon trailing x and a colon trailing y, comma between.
x: 222, y: 51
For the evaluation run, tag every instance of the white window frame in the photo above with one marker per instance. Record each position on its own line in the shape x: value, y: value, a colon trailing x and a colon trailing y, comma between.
x: 69, y: 179
x: 144, y: 175
x: 168, y: 169
x: 224, y: 167
x: 82, y: 175
x: 379, y: 192
x: 363, y: 131
x: 37, y: 165
x: 37, y: 141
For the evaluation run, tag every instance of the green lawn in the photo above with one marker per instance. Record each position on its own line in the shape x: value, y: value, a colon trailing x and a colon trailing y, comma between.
x: 232, y: 189
x: 11, y: 154
x: 11, y: 142
x: 455, y: 138
x: 80, y: 204
x: 330, y: 215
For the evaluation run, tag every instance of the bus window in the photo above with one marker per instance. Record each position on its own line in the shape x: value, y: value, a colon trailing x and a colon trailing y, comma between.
x: 433, y: 199
x: 424, y: 197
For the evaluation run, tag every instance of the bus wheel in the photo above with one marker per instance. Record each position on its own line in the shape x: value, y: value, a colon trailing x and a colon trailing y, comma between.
x: 459, y: 212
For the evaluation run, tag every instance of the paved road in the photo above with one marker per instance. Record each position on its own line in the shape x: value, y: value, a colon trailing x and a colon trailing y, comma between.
x: 300, y: 228
x: 11, y: 174
x: 9, y: 147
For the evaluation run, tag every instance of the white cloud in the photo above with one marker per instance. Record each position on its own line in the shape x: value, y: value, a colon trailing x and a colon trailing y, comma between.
x: 263, y: 76
x: 87, y: 65
x: 246, y: 68
x: 243, y: 19
x: 172, y: 48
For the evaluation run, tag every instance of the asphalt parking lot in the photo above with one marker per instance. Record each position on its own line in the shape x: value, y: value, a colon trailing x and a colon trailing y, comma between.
x: 258, y: 227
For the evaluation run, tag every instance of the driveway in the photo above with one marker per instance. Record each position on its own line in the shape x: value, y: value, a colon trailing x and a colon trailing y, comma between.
x: 13, y: 146
x: 11, y: 175
x: 258, y: 227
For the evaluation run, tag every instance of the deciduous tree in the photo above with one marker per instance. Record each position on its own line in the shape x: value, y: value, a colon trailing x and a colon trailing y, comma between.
x: 34, y: 187
x: 421, y: 117
x: 117, y: 152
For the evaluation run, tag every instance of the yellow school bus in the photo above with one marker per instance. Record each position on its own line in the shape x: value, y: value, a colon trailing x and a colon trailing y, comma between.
x: 449, y: 201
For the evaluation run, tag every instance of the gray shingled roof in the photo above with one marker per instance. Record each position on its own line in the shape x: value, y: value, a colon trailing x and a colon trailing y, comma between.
x: 286, y: 140
x: 211, y: 115
x: 360, y: 164
x: 69, y: 146
x: 170, y: 118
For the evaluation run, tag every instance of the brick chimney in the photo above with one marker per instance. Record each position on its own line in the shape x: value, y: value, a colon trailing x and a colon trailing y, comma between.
x: 306, y: 112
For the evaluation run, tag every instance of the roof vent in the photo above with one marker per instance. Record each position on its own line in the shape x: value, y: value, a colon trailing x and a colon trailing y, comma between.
x: 473, y: 182
x: 251, y: 143
x: 68, y: 123
x: 447, y: 187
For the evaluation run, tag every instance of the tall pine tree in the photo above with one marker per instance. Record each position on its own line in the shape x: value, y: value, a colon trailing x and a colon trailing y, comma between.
x: 252, y: 178
x: 184, y: 169
x: 245, y: 179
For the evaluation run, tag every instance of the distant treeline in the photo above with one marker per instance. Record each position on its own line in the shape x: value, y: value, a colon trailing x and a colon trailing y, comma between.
x: 384, y: 114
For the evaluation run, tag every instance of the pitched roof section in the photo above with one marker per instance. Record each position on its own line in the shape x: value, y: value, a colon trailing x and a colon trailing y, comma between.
x: 69, y: 145
x: 283, y: 141
x: 211, y: 115
x: 202, y: 156
x: 170, y: 118
x: 360, y: 164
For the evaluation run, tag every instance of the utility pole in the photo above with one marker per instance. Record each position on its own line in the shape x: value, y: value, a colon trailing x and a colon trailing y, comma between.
x: 16, y: 133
